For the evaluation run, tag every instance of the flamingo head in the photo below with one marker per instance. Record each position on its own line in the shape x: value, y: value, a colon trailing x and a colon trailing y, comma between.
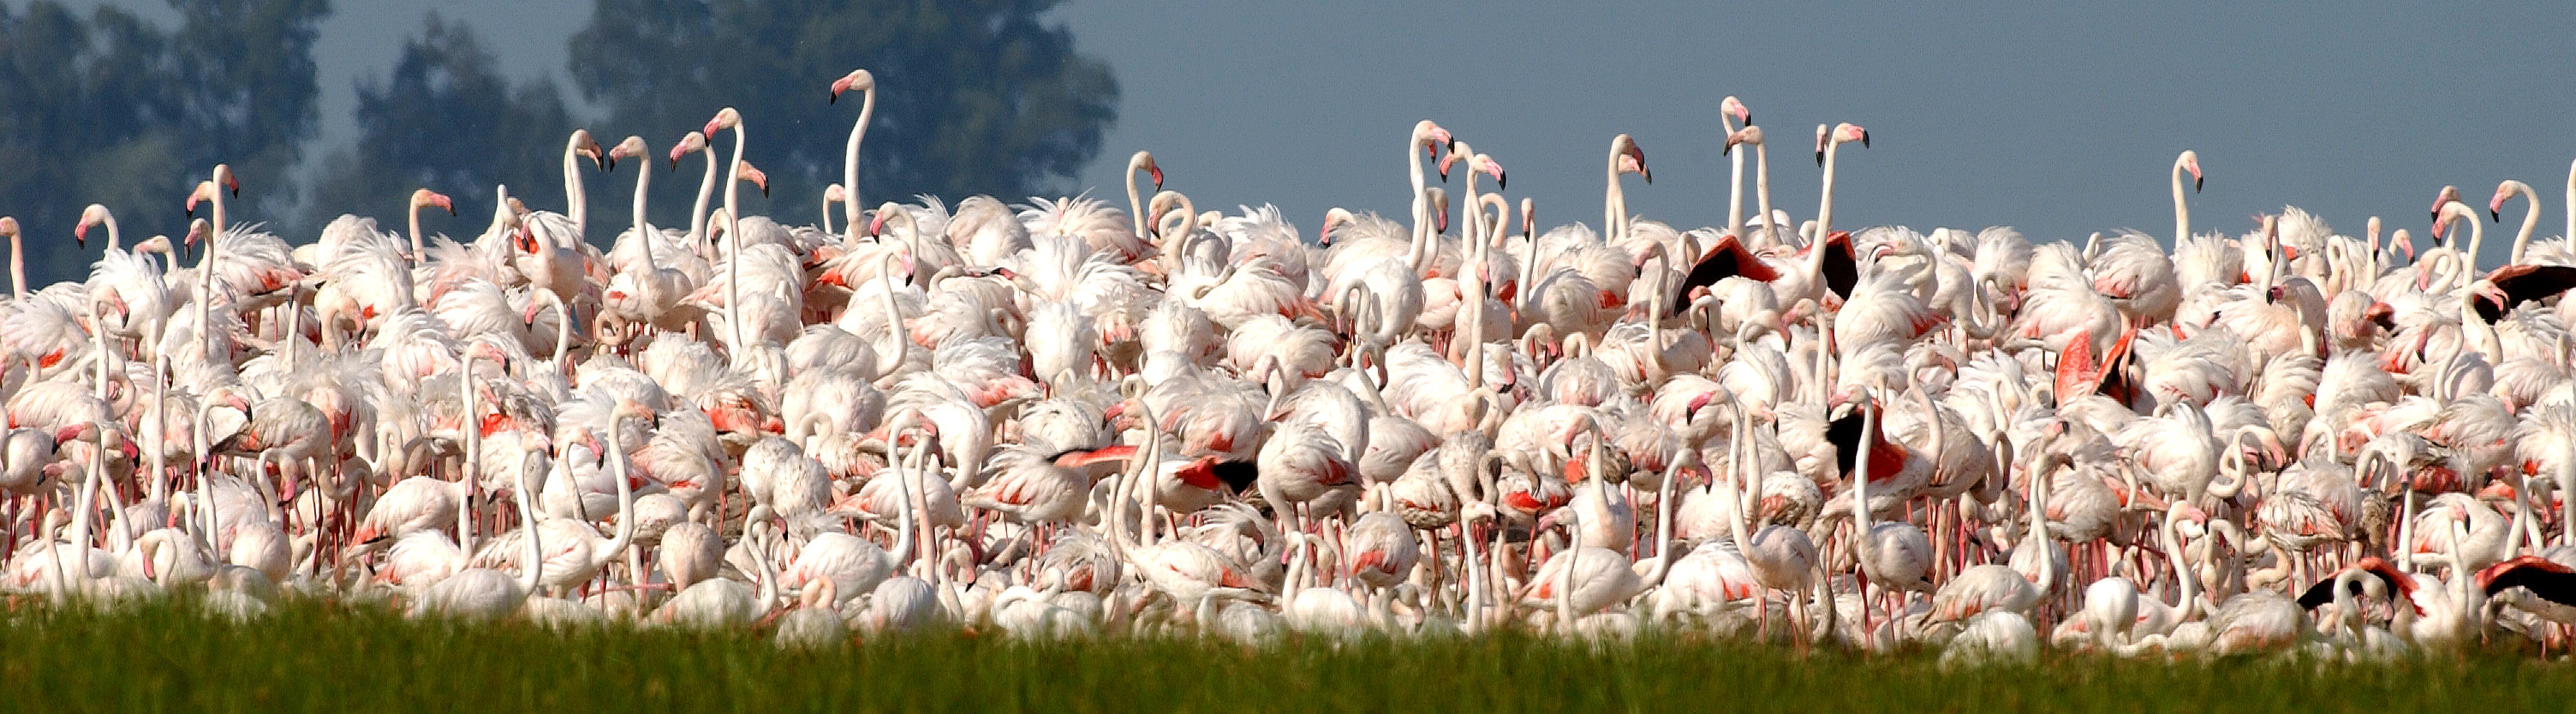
x: 876, y: 221
x: 1334, y: 218
x: 857, y: 80
x: 586, y: 147
x: 1439, y: 210
x: 1630, y: 159
x: 2495, y: 205
x: 2448, y: 195
x: 726, y: 118
x: 1431, y: 138
x: 93, y: 215
x: 1747, y: 135
x: 2189, y: 161
x: 1733, y: 107
x: 693, y: 141
x: 631, y: 147
x: 426, y: 197
x: 1487, y: 165
x: 755, y: 176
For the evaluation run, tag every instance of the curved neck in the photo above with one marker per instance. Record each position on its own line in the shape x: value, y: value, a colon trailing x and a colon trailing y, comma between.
x: 625, y: 499
x: 1739, y: 485
x: 2190, y: 584
x: 205, y: 271
x: 1529, y: 266
x: 579, y: 210
x: 114, y: 242
x: 1824, y: 355
x: 1421, y: 201
x: 2521, y: 239
x: 533, y: 560
x: 733, y: 274
x: 895, y: 330
x: 904, y: 540
x: 472, y: 463
x: 1614, y: 207
x: 414, y: 220
x: 1136, y: 203
x: 1762, y: 190
x: 643, y: 181
x: 2038, y: 538
x: 850, y: 206
x: 1471, y: 309
x: 706, y: 194
x: 733, y: 185
x: 1825, y: 201
x: 1663, y: 529
x: 2182, y: 207
x: 563, y: 327
x: 1860, y: 480
x: 1735, y: 194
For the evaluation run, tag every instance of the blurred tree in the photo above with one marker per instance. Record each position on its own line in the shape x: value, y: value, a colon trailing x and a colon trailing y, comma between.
x: 976, y: 96
x: 447, y: 120
x: 112, y: 110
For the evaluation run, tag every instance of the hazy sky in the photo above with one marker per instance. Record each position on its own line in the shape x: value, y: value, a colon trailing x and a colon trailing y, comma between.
x: 2050, y: 117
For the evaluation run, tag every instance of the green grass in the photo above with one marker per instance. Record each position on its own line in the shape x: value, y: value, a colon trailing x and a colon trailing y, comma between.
x: 316, y: 658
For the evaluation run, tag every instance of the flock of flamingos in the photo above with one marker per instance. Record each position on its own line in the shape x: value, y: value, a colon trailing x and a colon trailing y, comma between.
x: 1065, y: 419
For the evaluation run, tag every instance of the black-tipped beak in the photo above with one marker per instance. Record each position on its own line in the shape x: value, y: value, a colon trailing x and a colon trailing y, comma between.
x: 609, y: 164
x: 1820, y: 157
x: 1864, y: 139
x: 2495, y: 216
x: 451, y: 210
x: 835, y: 98
x: 1500, y: 184
x: 1748, y: 118
x: 675, y: 164
x: 2195, y: 184
x: 764, y: 190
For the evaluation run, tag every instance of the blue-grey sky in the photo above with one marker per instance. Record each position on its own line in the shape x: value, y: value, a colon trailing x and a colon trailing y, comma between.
x: 2057, y: 118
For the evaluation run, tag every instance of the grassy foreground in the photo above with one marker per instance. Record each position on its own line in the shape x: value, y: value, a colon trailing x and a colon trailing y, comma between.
x: 314, y: 658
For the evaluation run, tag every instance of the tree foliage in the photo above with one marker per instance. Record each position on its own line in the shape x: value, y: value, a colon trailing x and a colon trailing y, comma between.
x: 446, y: 119
x: 110, y: 109
x: 975, y: 96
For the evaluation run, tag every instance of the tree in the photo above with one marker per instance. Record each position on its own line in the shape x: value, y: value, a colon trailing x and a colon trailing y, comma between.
x: 447, y: 120
x: 111, y: 110
x: 976, y: 96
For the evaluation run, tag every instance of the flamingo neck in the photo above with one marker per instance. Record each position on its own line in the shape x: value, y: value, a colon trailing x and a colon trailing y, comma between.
x: 643, y: 181
x: 579, y: 210
x: 850, y: 208
x: 2521, y: 238
x: 1762, y: 191
x: 2181, y: 205
x: 706, y: 195
x: 1735, y: 195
